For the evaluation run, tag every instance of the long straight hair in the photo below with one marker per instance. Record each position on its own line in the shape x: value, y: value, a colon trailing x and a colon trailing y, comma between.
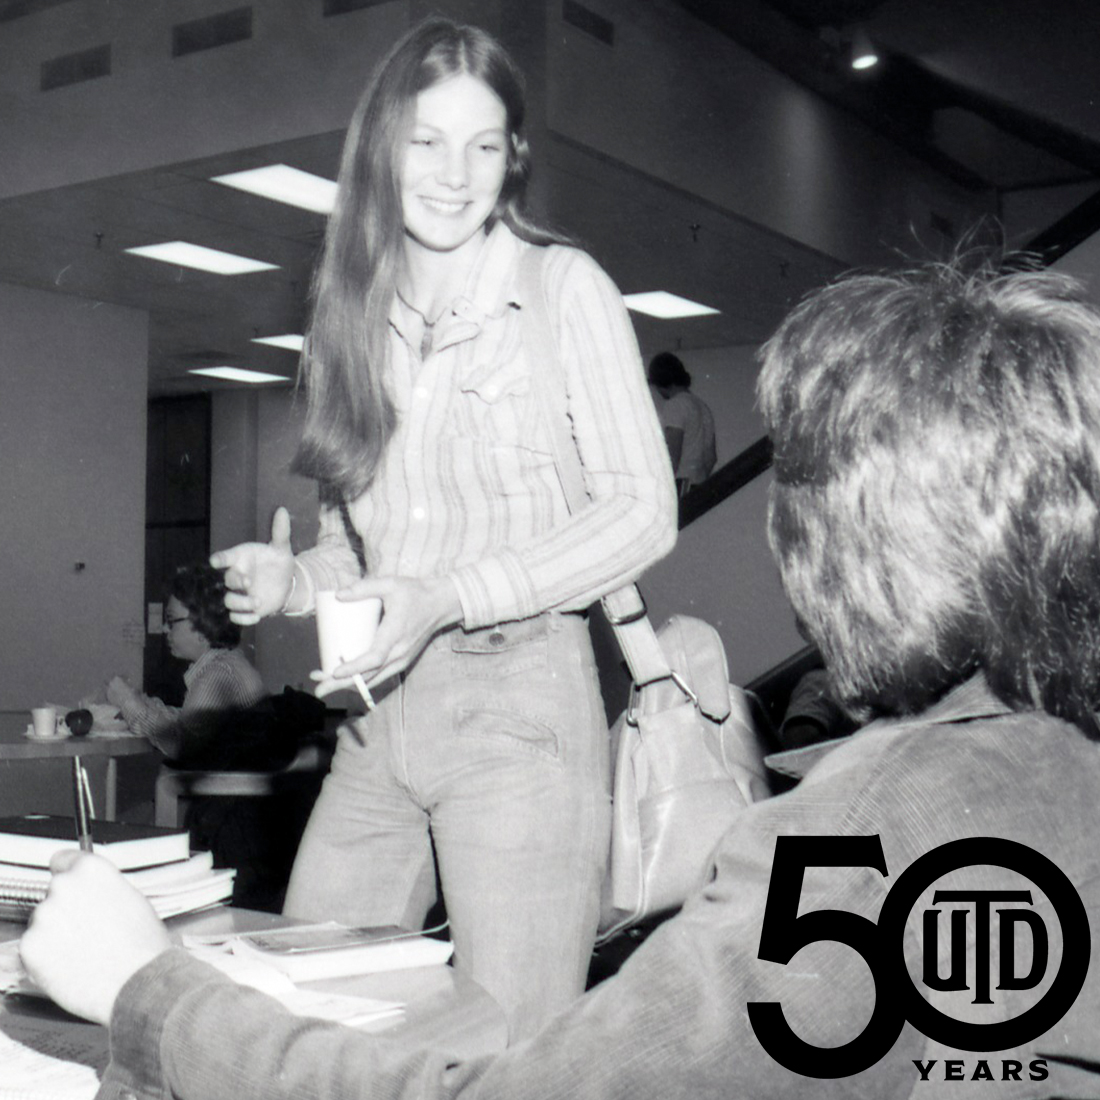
x: 349, y: 413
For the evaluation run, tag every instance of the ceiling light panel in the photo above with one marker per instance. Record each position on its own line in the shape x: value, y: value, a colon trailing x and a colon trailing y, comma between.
x: 291, y: 341
x: 238, y: 374
x: 660, y: 303
x: 285, y: 184
x: 203, y: 259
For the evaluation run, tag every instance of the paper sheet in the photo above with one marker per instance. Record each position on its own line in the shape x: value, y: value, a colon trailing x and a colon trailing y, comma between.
x: 44, y: 1058
x: 45, y: 1055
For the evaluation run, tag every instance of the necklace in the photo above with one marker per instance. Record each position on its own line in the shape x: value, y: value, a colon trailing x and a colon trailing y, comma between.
x: 429, y: 326
x: 419, y: 312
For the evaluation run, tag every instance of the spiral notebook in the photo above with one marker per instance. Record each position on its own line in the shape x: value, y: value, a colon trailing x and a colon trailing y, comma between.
x: 172, y: 889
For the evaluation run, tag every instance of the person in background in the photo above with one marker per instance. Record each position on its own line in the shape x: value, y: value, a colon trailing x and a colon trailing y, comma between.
x: 812, y: 714
x: 487, y: 751
x: 935, y: 516
x: 686, y: 420
x: 219, y: 679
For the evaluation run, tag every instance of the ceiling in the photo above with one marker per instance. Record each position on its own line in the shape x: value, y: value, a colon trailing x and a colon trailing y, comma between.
x: 999, y: 95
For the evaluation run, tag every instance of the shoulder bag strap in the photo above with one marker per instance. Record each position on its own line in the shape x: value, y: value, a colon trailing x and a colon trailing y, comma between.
x: 625, y: 609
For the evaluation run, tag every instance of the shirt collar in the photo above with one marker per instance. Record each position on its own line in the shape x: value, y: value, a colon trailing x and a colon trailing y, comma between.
x: 196, y: 666
x: 489, y: 292
x: 971, y: 699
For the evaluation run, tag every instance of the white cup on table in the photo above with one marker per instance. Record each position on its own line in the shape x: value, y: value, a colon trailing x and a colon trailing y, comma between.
x: 44, y: 721
x: 345, y: 629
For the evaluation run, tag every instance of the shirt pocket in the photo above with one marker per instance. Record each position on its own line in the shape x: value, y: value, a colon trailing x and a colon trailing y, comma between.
x: 495, y: 404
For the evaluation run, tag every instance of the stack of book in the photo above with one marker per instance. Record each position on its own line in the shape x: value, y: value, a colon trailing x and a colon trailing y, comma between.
x: 157, y: 860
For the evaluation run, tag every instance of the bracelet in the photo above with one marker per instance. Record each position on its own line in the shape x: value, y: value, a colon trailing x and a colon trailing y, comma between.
x: 290, y: 595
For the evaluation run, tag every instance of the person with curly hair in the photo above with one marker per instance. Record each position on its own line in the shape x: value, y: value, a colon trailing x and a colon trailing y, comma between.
x: 219, y: 679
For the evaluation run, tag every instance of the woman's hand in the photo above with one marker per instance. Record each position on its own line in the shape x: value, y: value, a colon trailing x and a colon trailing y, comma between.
x: 119, y: 693
x: 89, y: 936
x: 413, y: 612
x: 258, y: 574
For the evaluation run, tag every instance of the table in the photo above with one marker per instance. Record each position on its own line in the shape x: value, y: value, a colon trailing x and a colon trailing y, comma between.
x: 15, y: 746
x: 443, y: 1007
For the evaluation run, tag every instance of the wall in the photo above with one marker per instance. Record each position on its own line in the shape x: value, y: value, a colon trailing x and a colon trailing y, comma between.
x: 299, y: 74
x: 72, y: 487
x: 690, y: 107
x: 672, y: 98
x: 72, y: 490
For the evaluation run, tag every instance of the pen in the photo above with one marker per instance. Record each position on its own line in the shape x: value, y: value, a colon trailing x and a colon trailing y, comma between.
x: 80, y: 800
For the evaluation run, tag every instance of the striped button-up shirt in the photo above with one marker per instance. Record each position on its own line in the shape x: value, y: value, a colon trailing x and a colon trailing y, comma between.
x: 467, y: 486
x: 220, y: 683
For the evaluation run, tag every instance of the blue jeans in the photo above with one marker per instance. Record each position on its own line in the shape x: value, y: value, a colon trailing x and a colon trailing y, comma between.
x: 494, y: 747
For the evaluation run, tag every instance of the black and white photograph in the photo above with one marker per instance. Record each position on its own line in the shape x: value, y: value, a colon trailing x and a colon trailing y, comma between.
x: 551, y: 549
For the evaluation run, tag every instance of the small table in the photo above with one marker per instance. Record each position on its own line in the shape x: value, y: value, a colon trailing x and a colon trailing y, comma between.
x: 14, y: 745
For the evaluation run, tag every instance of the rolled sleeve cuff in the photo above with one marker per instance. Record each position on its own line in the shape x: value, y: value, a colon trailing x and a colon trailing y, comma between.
x: 316, y: 571
x: 495, y: 590
x: 138, y: 1022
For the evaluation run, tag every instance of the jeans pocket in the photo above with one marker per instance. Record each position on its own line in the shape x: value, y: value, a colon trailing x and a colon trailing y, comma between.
x: 499, y: 651
x: 521, y: 732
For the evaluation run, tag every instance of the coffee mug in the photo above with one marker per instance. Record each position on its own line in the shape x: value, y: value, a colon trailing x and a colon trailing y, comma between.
x: 44, y: 720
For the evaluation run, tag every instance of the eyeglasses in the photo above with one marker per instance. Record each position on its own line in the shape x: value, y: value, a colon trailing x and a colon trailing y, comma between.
x: 169, y: 623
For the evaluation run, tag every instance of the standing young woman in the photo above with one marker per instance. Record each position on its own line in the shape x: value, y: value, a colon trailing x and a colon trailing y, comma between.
x: 488, y: 739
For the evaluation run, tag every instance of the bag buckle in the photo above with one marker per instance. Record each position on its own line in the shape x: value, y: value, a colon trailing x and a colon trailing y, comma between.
x: 631, y: 716
x: 681, y: 683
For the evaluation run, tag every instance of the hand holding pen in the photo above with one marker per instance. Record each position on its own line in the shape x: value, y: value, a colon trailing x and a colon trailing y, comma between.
x: 82, y: 802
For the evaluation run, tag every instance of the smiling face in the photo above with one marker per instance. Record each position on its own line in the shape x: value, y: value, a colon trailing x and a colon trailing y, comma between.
x: 454, y: 164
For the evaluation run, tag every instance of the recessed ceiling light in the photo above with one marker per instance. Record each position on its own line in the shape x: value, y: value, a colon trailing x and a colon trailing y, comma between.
x: 238, y: 374
x: 291, y: 341
x: 285, y: 184
x: 864, y: 54
x: 204, y: 259
x: 660, y: 303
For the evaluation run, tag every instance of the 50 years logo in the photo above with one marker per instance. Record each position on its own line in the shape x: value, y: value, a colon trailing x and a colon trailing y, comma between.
x: 897, y: 997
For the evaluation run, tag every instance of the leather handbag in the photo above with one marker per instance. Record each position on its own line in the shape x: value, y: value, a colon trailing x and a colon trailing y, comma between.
x: 688, y: 760
x: 687, y: 755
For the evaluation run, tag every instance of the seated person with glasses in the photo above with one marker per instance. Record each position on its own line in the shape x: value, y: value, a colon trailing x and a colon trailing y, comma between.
x: 219, y: 679
x: 935, y: 516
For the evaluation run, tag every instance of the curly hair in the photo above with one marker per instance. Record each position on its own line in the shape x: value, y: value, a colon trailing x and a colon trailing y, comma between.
x: 936, y: 504
x: 201, y: 589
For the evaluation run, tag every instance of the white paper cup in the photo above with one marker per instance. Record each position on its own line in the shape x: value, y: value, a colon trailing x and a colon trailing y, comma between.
x: 345, y: 629
x: 44, y: 720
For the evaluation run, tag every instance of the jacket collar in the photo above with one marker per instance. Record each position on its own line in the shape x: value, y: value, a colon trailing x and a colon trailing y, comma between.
x: 971, y: 699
